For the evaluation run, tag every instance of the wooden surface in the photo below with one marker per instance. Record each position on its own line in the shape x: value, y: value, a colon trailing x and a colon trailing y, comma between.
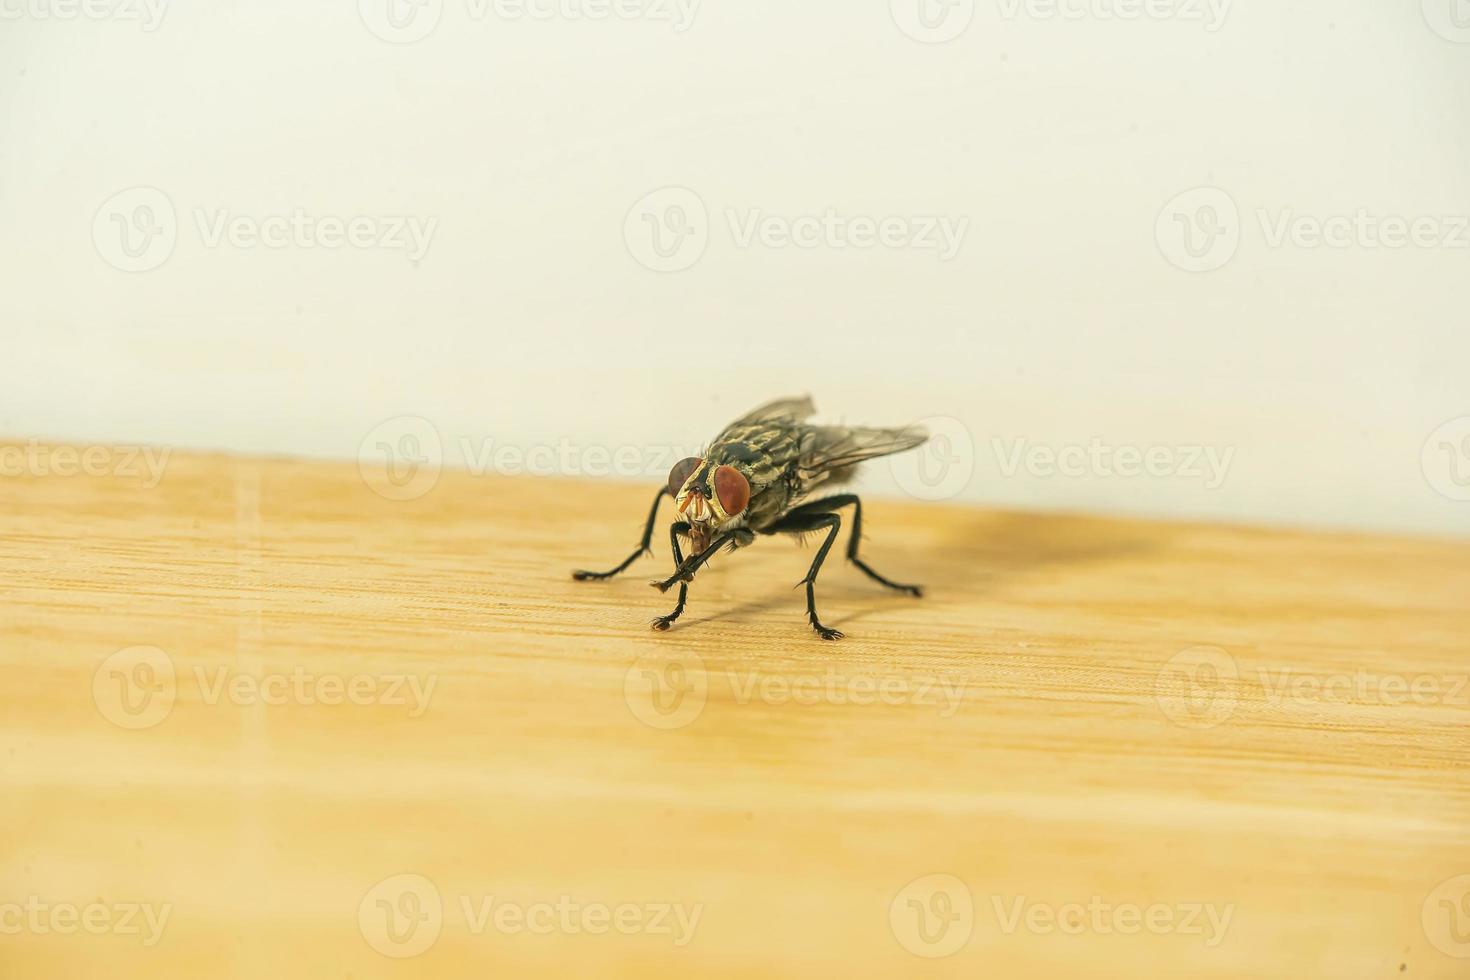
x: 1141, y: 725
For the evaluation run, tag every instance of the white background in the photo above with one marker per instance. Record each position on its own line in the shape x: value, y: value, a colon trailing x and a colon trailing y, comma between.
x: 1064, y: 318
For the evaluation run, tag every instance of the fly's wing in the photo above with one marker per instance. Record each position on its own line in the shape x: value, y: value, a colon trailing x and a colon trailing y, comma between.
x: 830, y: 453
x: 781, y: 410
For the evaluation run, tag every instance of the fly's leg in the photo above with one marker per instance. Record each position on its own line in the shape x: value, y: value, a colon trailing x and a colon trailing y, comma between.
x: 664, y: 622
x: 686, y: 569
x: 854, y: 539
x: 643, y: 549
x: 799, y: 523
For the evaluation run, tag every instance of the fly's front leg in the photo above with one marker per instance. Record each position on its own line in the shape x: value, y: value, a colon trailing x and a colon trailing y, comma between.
x: 855, y: 538
x: 664, y: 622
x: 800, y: 523
x: 686, y: 569
x: 643, y: 549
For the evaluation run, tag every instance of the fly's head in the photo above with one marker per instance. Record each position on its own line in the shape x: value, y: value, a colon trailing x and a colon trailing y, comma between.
x: 708, y: 496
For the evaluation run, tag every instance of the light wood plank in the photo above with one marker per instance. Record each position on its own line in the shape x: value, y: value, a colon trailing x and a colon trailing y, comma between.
x: 1076, y: 767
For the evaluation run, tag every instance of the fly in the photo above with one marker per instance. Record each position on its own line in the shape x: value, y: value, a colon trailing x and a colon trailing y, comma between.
x: 754, y: 479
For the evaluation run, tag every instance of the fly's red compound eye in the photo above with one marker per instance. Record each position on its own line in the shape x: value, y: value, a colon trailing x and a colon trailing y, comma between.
x: 732, y: 489
x: 680, y: 473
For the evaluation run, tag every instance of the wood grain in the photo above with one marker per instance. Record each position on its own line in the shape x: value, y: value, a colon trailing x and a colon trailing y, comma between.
x: 1149, y: 717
